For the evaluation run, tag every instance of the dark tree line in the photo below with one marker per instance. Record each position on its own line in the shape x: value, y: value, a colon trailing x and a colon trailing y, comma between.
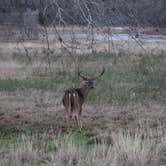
x: 91, y: 12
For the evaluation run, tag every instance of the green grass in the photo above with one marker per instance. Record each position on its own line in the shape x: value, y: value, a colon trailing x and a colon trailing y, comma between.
x: 131, y: 85
x: 131, y: 79
x: 15, y: 84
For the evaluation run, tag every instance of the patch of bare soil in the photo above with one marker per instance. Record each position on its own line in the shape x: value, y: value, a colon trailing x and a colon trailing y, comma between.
x: 10, y: 70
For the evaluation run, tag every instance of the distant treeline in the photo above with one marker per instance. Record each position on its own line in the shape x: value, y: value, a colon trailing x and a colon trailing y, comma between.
x: 93, y: 12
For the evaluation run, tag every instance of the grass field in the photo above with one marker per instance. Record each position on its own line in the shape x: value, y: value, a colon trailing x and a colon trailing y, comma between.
x: 124, y: 118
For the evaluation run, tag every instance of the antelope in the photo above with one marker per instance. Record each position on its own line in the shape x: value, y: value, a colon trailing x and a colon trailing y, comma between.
x: 74, y: 98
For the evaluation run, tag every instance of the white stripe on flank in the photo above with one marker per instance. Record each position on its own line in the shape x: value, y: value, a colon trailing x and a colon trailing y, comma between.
x: 69, y: 103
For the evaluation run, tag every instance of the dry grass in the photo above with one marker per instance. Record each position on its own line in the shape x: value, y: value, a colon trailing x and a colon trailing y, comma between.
x: 136, y: 148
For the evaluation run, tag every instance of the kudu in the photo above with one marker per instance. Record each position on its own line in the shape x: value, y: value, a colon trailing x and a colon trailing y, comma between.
x: 74, y: 98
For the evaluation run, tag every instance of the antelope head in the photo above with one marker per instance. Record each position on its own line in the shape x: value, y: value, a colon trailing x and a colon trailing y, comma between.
x: 89, y: 83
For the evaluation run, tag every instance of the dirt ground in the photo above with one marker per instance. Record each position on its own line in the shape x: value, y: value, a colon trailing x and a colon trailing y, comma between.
x: 18, y: 109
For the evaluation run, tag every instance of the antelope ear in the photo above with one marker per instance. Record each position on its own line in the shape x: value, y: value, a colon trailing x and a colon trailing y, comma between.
x: 82, y: 76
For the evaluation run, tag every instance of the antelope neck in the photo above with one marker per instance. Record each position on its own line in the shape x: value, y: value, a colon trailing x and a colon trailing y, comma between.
x: 84, y: 91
